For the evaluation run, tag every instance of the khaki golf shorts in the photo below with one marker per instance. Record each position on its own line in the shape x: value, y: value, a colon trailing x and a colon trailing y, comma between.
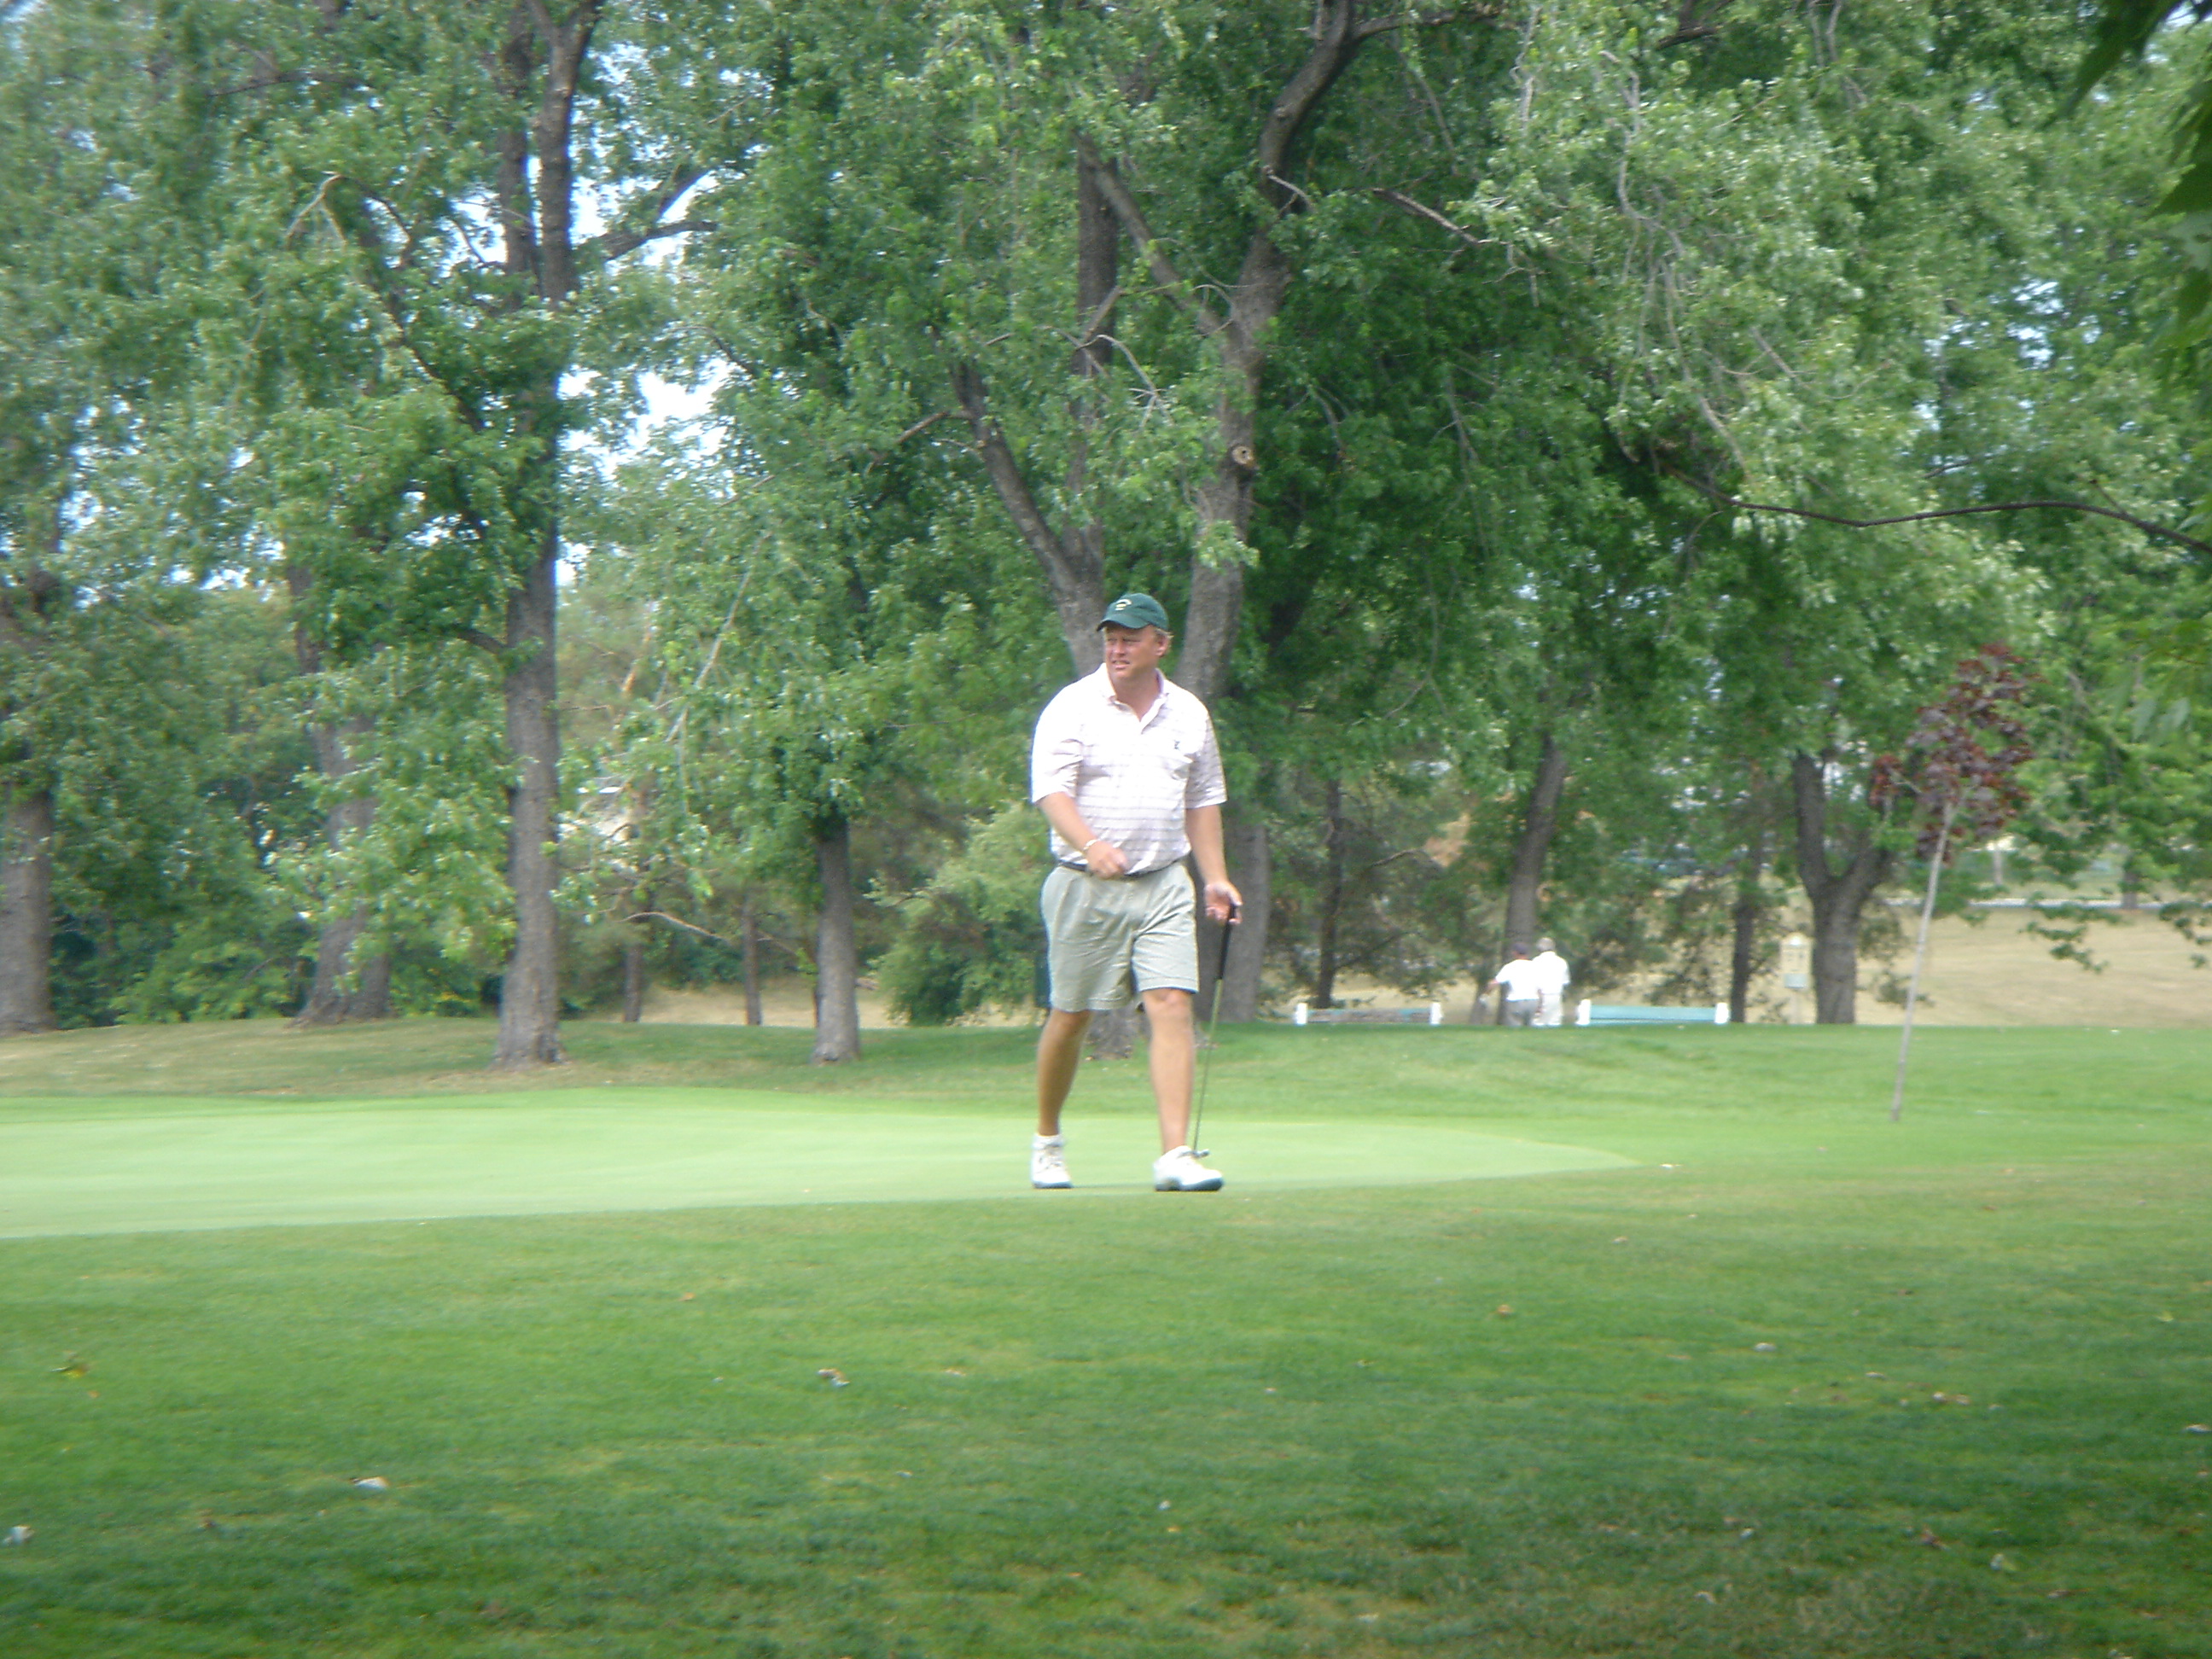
x: 1105, y: 932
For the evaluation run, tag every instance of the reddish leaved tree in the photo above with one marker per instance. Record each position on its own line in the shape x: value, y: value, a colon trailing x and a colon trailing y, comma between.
x: 1959, y: 771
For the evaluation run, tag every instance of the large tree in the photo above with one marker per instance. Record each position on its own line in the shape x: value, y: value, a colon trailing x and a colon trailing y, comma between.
x: 102, y: 530
x: 1083, y: 232
x: 1812, y: 263
x: 423, y: 173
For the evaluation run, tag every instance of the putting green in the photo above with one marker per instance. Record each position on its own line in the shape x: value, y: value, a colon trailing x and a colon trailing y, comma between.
x: 117, y: 1166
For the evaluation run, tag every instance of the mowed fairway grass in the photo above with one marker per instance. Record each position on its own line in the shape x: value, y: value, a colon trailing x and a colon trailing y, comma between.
x: 1513, y: 1344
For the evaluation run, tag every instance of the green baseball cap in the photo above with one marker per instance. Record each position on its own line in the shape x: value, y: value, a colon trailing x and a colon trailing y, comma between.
x: 1136, y: 610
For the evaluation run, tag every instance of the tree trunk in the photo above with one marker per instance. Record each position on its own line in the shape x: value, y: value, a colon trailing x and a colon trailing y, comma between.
x: 371, y: 993
x: 1835, y: 967
x: 1750, y: 907
x: 1743, y: 954
x: 1332, y: 900
x: 1539, y: 822
x: 29, y: 594
x: 343, y: 990
x: 748, y: 946
x: 633, y: 992
x: 539, y: 69
x: 836, y: 960
x: 1072, y: 557
x: 27, y: 910
x: 1224, y: 514
x: 530, y: 995
x: 1112, y: 1033
x: 1838, y: 898
x: 1245, y: 835
x: 1225, y: 500
x: 1239, y: 335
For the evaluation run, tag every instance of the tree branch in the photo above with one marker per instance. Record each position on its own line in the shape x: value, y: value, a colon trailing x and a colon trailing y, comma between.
x: 1134, y: 226
x: 1434, y: 218
x: 1429, y: 19
x: 1096, y: 321
x: 272, y: 78
x: 1071, y: 566
x: 1338, y: 33
x: 1694, y: 21
x: 679, y: 921
x: 878, y: 456
x: 566, y: 43
x: 1006, y: 473
x: 2143, y: 525
x: 379, y: 286
x: 1809, y: 802
x: 613, y: 245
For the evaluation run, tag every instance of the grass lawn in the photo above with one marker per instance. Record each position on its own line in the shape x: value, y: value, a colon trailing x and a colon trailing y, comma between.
x: 1513, y: 1344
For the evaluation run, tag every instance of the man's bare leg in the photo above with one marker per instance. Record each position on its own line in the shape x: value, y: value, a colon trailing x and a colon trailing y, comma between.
x: 1174, y: 1055
x: 1060, y: 1052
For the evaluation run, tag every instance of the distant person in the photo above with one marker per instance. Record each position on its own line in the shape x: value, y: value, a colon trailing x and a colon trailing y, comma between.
x: 1126, y: 770
x: 1517, y: 983
x: 1552, y: 981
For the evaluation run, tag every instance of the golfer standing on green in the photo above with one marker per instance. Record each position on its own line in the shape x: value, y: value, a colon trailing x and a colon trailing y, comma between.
x: 1125, y: 770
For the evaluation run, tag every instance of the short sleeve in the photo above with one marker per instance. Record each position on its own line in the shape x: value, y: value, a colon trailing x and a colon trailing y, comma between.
x: 1056, y: 751
x: 1205, y: 786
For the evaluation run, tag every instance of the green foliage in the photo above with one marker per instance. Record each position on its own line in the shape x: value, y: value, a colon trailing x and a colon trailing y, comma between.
x: 1567, y: 290
x: 973, y: 939
x: 2124, y: 31
x: 2173, y: 658
x: 177, y: 795
x: 429, y: 867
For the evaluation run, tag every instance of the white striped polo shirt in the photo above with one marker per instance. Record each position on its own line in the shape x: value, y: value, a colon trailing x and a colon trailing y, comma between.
x: 1133, y: 780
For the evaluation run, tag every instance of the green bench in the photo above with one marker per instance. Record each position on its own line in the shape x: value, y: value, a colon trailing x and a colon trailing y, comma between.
x: 1619, y: 1013
x: 1304, y: 1015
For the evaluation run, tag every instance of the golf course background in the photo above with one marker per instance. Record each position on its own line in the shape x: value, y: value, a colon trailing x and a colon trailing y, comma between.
x: 1497, y: 1343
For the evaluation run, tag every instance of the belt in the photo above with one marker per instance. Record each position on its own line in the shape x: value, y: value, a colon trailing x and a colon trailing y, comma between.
x: 1127, y: 875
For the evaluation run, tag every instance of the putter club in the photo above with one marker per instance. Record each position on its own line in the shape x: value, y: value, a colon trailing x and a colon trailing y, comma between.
x: 1206, y: 1064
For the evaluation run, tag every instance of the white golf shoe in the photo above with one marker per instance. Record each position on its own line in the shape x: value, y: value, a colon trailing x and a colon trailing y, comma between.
x: 1180, y: 1171
x: 1048, y: 1161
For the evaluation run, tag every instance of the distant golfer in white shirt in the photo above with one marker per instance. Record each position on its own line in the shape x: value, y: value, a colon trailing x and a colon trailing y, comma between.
x: 1126, y: 770
x: 1516, y: 981
x: 1552, y: 981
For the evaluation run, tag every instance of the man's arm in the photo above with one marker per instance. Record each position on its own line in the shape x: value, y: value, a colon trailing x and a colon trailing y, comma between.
x: 1103, y: 857
x: 1055, y: 764
x: 1202, y: 824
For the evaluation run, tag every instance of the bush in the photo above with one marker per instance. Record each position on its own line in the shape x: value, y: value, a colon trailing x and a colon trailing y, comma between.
x: 973, y: 938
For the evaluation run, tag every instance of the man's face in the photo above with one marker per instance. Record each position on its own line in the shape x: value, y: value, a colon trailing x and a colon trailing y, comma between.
x: 1134, y: 651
